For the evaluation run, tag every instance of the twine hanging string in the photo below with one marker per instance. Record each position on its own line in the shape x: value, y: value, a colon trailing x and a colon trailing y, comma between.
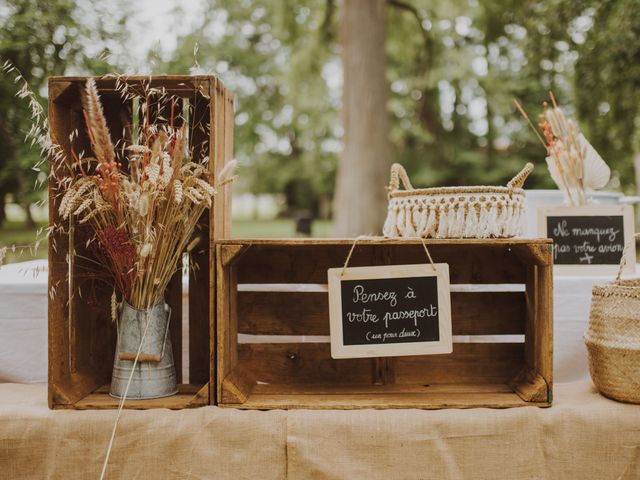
x: 368, y: 237
x: 426, y: 250
x: 124, y: 396
x: 623, y: 260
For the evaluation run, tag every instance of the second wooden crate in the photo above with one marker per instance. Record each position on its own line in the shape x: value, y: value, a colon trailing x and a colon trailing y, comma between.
x: 272, y: 328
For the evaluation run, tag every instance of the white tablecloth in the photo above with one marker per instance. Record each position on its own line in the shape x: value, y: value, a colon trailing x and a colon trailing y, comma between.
x: 571, y: 304
x: 23, y: 323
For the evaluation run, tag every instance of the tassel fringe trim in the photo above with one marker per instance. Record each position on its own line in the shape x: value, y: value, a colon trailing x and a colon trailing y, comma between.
x: 442, y: 217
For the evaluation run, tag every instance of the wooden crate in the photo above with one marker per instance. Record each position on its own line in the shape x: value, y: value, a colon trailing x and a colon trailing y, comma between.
x: 81, y: 334
x: 272, y: 328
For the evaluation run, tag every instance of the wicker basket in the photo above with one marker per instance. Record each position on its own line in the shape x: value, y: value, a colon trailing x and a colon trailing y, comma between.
x: 455, y: 212
x: 613, y: 340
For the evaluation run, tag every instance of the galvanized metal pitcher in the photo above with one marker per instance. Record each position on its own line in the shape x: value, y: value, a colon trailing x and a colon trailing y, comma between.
x: 155, y: 372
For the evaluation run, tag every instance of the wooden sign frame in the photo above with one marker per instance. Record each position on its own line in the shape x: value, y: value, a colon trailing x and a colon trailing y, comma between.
x: 441, y: 346
x: 626, y: 211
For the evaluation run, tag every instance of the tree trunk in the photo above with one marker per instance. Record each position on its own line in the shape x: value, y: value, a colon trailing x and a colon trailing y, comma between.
x: 360, y: 199
x: 636, y: 165
x: 3, y: 214
x: 29, y: 221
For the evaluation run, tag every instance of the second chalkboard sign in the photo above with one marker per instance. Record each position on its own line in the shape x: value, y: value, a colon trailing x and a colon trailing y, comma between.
x: 390, y: 310
x: 590, y: 238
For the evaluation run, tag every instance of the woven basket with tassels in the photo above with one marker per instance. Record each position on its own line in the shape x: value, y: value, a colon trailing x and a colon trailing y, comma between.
x: 613, y: 339
x: 455, y: 212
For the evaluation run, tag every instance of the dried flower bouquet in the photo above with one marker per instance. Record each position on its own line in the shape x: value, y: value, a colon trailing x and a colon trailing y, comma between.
x: 143, y: 211
x: 574, y: 165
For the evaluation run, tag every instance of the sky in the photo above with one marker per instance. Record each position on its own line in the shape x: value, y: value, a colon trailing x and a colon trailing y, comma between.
x: 154, y: 24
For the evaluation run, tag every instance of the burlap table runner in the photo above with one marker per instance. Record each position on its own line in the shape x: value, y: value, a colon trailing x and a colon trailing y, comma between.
x: 583, y: 436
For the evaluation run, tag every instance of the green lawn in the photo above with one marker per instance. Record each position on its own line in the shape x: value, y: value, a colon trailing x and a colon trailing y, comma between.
x: 15, y: 233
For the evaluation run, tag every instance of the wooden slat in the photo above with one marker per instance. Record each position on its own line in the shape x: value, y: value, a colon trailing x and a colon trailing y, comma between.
x: 214, y: 233
x: 200, y: 259
x: 312, y: 363
x: 536, y: 254
x: 220, y: 152
x: 229, y: 123
x: 301, y: 363
x: 58, y: 323
x: 297, y: 264
x: 92, y: 335
x: 179, y: 85
x: 273, y: 313
x: 476, y: 263
x: 488, y: 313
x: 199, y: 305
x: 159, y: 112
x: 103, y: 334
x: 383, y: 371
x: 173, y: 297
x: 539, y: 324
x: 501, y: 398
x: 70, y: 372
x: 188, y: 396
x: 342, y: 389
x: 465, y: 242
x: 227, y: 330
x: 544, y: 328
x: 232, y: 352
x: 531, y: 314
x: 469, y: 363
x: 308, y: 263
x: 119, y: 115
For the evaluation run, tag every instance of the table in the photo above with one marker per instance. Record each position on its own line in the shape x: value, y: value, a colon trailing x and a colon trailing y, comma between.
x: 583, y: 436
x: 23, y: 323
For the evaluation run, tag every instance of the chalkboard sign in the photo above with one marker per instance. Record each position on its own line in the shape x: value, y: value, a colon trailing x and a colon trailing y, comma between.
x: 592, y: 236
x: 391, y: 310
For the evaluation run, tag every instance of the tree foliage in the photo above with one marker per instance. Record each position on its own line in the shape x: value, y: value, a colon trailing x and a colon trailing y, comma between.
x: 276, y: 57
x: 41, y: 39
x: 608, y: 83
